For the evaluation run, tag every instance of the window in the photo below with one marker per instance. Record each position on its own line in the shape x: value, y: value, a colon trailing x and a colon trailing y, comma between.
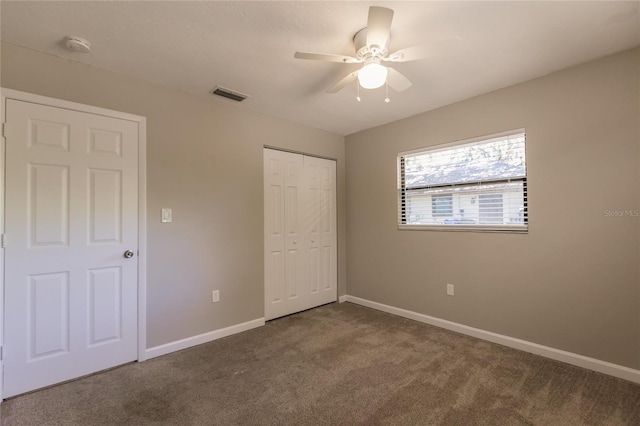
x: 476, y: 184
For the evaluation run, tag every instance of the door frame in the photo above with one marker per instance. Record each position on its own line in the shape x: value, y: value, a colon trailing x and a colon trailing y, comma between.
x: 6, y: 94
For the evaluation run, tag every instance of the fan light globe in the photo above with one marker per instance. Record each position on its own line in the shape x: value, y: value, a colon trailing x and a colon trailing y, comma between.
x: 372, y: 76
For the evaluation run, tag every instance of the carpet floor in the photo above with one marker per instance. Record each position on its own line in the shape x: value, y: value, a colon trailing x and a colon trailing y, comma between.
x: 340, y: 364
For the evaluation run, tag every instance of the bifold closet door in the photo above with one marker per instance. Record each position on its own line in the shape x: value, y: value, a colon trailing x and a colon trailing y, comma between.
x: 300, y: 232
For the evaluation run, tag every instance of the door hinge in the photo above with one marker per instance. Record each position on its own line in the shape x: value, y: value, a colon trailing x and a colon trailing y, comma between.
x: 1, y: 353
x: 4, y: 130
x: 2, y: 241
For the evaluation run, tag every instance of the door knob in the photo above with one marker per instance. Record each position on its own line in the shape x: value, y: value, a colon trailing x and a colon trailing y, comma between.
x: 128, y: 254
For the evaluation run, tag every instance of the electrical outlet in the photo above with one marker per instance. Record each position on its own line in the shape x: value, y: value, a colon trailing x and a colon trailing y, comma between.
x: 449, y: 289
x: 215, y: 296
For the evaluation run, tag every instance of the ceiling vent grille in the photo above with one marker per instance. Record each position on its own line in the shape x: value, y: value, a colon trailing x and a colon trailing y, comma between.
x: 229, y: 94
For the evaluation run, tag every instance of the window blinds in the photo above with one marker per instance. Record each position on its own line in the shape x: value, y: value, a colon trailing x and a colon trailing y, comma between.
x: 472, y: 185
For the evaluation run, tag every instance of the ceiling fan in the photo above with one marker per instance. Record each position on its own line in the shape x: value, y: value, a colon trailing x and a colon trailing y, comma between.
x: 372, y: 50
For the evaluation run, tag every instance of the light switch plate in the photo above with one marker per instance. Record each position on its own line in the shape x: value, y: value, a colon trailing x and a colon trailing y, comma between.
x: 166, y: 215
x: 450, y: 290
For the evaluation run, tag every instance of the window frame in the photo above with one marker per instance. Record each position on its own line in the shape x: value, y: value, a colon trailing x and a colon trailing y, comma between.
x: 402, y: 190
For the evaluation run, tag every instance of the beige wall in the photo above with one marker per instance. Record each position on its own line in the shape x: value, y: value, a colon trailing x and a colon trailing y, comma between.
x: 205, y: 162
x: 572, y: 282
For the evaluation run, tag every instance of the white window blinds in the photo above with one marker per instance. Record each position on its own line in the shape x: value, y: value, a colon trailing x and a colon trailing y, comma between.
x: 469, y: 185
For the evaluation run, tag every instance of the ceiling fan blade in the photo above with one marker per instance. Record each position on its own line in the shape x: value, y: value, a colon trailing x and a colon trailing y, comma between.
x: 326, y: 57
x: 342, y: 83
x: 379, y: 26
x: 397, y: 81
x: 423, y: 51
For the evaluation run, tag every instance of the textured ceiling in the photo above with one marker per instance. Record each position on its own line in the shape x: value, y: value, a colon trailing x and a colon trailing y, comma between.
x: 248, y: 47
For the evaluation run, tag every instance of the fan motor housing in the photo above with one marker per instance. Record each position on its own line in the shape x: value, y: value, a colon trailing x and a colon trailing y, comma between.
x: 363, y: 51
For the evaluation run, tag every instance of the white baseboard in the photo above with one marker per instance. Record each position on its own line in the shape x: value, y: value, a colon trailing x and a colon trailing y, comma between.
x: 559, y: 355
x: 343, y: 299
x: 201, y: 338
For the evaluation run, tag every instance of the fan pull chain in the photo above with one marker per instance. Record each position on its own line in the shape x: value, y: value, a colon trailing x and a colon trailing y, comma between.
x: 386, y: 99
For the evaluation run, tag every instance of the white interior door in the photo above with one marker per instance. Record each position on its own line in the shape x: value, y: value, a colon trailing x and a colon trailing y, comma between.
x: 71, y: 213
x: 300, y: 232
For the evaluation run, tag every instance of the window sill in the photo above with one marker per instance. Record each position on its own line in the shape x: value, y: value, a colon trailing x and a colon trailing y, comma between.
x: 466, y: 228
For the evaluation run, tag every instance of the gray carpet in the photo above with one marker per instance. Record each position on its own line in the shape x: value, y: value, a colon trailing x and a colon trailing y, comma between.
x: 339, y: 364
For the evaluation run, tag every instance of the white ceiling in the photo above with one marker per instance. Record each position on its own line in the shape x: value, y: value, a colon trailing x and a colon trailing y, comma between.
x: 248, y: 47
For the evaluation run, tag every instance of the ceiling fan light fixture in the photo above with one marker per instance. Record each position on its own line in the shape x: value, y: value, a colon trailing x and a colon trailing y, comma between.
x: 372, y: 75
x: 372, y: 48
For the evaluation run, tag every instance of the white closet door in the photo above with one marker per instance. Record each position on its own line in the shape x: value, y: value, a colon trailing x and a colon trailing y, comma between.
x: 300, y: 232
x: 321, y: 234
x: 71, y: 213
x: 284, y: 260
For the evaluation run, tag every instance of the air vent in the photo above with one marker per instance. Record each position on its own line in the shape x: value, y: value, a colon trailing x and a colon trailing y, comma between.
x: 229, y: 94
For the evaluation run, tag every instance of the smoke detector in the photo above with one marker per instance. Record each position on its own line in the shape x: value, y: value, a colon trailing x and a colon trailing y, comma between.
x: 77, y: 44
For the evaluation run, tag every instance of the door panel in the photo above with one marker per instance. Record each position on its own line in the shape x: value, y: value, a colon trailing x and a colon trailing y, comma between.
x: 71, y: 212
x: 48, y: 205
x: 47, y: 315
x: 105, y: 193
x: 274, y: 238
x: 283, y: 245
x: 322, y: 234
x: 105, y: 299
